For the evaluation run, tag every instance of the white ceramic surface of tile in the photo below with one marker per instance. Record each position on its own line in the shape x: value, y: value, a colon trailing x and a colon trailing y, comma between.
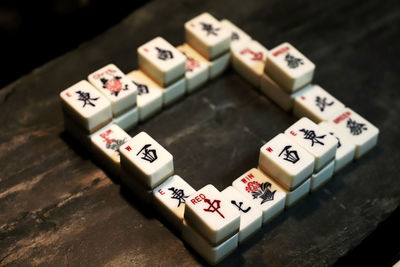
x: 249, y: 61
x: 78, y: 133
x: 250, y: 215
x: 263, y: 192
x: 147, y: 160
x: 323, y: 176
x: 294, y: 196
x: 212, y: 215
x: 317, y: 105
x: 127, y: 120
x: 89, y: 109
x: 219, y: 65
x: 286, y: 161
x: 170, y: 198
x: 288, y: 67
x: 116, y: 87
x: 161, y: 61
x: 315, y: 140
x: 149, y: 99
x: 212, y: 254
x: 345, y: 149
x: 140, y: 191
x: 174, y: 92
x: 358, y: 130
x: 238, y: 37
x: 208, y: 36
x: 197, y: 71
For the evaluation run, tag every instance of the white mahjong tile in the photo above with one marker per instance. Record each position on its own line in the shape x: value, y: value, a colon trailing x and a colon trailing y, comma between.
x: 288, y: 67
x: 320, y: 178
x: 212, y: 254
x: 278, y: 95
x: 263, y: 192
x: 345, y: 149
x: 317, y: 105
x: 318, y: 142
x: 134, y: 185
x: 294, y: 196
x: 128, y: 119
x: 170, y: 198
x: 208, y: 36
x: 147, y: 159
x: 357, y: 129
x: 212, y: 215
x: 116, y: 87
x: 174, y: 92
x: 161, y: 61
x: 149, y: 99
x: 196, y: 68
x: 286, y: 161
x: 219, y: 65
x: 250, y: 215
x: 77, y: 132
x: 106, y: 143
x: 248, y: 60
x: 86, y: 106
x: 238, y: 37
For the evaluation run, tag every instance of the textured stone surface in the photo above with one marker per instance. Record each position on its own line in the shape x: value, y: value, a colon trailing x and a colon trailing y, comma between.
x: 57, y: 207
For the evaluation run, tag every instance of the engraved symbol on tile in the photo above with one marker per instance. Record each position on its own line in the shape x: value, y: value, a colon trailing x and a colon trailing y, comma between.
x: 264, y: 193
x: 310, y: 135
x: 178, y: 194
x: 209, y: 29
x: 85, y: 97
x: 164, y: 54
x: 142, y: 88
x: 148, y: 154
x: 214, y: 206
x: 338, y: 140
x: 290, y: 155
x: 235, y: 36
x: 321, y: 103
x: 257, y: 56
x: 191, y: 63
x: 252, y: 186
x: 292, y: 61
x: 112, y: 143
x: 114, y: 85
x: 239, y: 206
x: 355, y: 128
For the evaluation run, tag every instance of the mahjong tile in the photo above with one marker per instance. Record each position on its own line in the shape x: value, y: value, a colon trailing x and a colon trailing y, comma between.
x: 212, y: 215
x: 250, y: 214
x: 288, y: 67
x: 128, y: 119
x: 286, y: 161
x: 161, y: 61
x: 196, y: 68
x: 86, y: 106
x: 219, y: 65
x: 357, y: 129
x: 263, y: 192
x: 146, y: 159
x: 149, y: 99
x: 207, y: 35
x: 174, y: 92
x: 134, y: 185
x: 294, y: 196
x: 170, y: 198
x: 116, y: 87
x: 320, y: 178
x: 318, y: 142
x: 277, y: 94
x: 248, y: 60
x: 238, y: 37
x: 106, y: 143
x: 212, y: 254
x: 345, y: 149
x: 317, y: 105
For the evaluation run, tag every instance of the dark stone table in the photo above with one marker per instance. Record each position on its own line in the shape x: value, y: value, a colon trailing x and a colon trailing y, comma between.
x: 57, y: 206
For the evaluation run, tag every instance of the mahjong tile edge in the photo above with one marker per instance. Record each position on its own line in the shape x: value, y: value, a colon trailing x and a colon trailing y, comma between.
x: 59, y: 208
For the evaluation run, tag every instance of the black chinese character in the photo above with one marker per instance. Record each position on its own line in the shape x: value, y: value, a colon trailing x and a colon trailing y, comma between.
x: 178, y: 194
x: 142, y: 88
x: 235, y: 36
x: 338, y: 140
x: 85, y: 97
x: 292, y: 61
x: 209, y: 29
x: 356, y: 128
x: 240, y: 206
x: 214, y: 206
x: 148, y: 154
x: 264, y: 193
x: 321, y: 103
x: 310, y: 135
x: 164, y: 54
x: 290, y: 155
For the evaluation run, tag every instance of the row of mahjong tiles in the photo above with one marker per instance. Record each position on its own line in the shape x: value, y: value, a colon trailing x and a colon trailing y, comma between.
x: 294, y: 163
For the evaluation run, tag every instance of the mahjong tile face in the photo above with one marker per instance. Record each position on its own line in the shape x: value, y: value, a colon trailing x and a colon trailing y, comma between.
x: 238, y: 36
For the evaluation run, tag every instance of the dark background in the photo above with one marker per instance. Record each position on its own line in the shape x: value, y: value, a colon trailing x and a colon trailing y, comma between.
x: 35, y: 32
